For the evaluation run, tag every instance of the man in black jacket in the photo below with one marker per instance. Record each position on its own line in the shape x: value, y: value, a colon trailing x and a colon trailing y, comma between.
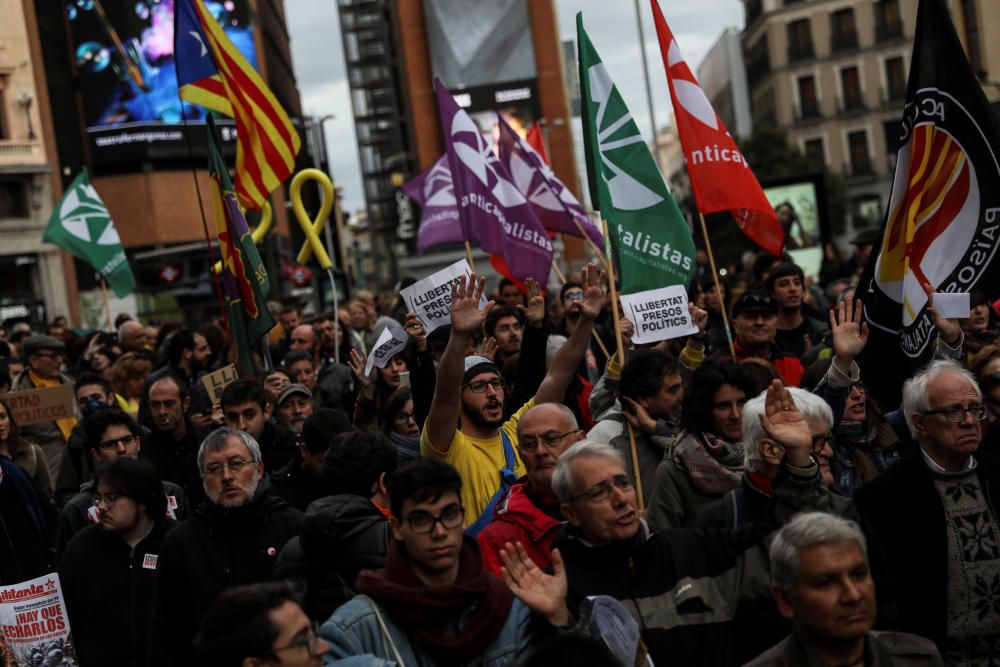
x: 683, y: 586
x: 108, y: 570
x: 233, y: 538
x: 172, y: 446
x: 301, y: 481
x: 931, y: 522
x: 347, y: 531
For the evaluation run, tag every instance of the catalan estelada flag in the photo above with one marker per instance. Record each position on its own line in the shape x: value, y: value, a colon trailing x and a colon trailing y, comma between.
x: 212, y: 73
x: 244, y: 278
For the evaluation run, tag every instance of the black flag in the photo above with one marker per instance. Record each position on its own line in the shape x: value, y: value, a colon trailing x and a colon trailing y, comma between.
x: 942, y: 223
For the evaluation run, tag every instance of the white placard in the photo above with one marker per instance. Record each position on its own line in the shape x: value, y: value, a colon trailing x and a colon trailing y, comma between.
x: 430, y: 298
x: 389, y: 342
x: 659, y: 314
x: 952, y: 304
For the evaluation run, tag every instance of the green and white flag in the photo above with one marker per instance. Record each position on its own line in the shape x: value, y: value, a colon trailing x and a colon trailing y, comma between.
x: 82, y: 226
x: 650, y: 234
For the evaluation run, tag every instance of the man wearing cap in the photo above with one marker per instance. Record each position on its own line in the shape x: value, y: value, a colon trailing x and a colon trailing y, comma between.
x: 44, y: 356
x: 863, y: 243
x: 796, y: 333
x: 295, y: 404
x: 755, y: 322
x: 483, y: 447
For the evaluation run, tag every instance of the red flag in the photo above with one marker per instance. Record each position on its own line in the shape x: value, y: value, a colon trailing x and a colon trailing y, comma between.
x: 721, y: 179
x: 536, y: 140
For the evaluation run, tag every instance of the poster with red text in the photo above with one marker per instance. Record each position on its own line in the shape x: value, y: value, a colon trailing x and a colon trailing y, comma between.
x: 34, y: 626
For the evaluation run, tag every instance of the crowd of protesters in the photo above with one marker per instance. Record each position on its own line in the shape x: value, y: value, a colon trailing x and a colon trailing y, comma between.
x: 506, y: 490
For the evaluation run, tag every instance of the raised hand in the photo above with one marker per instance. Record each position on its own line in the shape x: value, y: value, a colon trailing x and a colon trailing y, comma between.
x: 415, y: 330
x: 785, y: 424
x: 594, y: 296
x: 628, y: 330
x: 535, y: 310
x: 487, y: 347
x: 850, y: 332
x: 357, y: 362
x: 948, y: 328
x: 699, y: 317
x: 466, y: 317
x: 545, y: 594
x: 638, y: 416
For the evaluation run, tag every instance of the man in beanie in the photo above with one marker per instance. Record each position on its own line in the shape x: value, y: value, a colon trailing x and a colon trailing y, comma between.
x: 484, y: 447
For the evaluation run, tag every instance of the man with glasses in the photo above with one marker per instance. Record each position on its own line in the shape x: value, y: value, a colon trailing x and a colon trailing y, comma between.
x: 529, y: 513
x: 259, y: 624
x: 111, y: 435
x: 232, y: 538
x: 931, y: 521
x: 108, y: 571
x: 45, y: 356
x: 682, y: 586
x: 434, y: 603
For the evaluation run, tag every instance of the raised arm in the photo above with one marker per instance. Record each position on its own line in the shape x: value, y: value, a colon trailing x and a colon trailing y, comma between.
x: 568, y: 358
x: 466, y: 319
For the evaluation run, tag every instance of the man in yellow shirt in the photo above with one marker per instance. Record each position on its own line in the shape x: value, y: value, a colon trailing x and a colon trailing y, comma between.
x: 483, y: 447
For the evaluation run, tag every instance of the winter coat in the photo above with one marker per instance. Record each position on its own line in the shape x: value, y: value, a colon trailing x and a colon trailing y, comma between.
x: 518, y: 519
x: 882, y: 649
x: 295, y: 485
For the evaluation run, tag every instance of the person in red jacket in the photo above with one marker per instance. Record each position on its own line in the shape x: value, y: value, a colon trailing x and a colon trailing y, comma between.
x: 530, y: 513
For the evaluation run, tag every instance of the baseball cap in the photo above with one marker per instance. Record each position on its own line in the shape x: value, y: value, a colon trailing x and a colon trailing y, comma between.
x: 290, y: 389
x: 754, y: 301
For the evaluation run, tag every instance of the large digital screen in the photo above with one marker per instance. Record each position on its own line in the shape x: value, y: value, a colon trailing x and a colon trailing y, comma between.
x: 124, y: 54
x: 800, y: 205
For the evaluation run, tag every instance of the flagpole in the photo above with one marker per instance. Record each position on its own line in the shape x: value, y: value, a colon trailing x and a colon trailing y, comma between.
x: 718, y: 287
x: 559, y: 273
x: 107, y: 305
x: 597, y: 251
x: 621, y: 363
x: 468, y: 256
x: 336, y: 313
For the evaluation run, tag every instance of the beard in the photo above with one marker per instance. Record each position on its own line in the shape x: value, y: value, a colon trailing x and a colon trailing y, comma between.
x: 476, y: 417
x: 249, y: 489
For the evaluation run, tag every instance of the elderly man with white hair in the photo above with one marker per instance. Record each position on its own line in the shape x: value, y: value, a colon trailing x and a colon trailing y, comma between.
x: 822, y: 584
x: 932, y: 524
x: 233, y: 538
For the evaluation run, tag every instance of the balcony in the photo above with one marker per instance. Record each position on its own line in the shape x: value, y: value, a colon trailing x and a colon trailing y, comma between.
x: 844, y: 41
x: 808, y: 111
x: 860, y: 168
x: 893, y: 95
x: 17, y: 151
x: 853, y: 103
x: 802, y: 51
x: 888, y: 30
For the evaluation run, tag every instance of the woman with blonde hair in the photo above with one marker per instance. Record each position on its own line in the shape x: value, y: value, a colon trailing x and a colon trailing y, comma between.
x: 127, y: 375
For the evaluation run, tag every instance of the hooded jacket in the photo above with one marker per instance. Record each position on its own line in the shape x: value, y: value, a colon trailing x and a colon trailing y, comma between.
x: 519, y: 519
x: 340, y: 536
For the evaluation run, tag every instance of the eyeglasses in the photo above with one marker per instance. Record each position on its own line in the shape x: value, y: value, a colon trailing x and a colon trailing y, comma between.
x: 573, y: 296
x: 108, y: 499
x: 601, y: 492
x: 423, y: 522
x: 549, y: 439
x: 312, y: 642
x: 234, y: 466
x: 404, y: 416
x: 956, y: 415
x: 479, y: 386
x: 114, y: 442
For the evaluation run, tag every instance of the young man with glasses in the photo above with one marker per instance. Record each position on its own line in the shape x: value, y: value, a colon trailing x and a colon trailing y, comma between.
x: 931, y: 521
x: 257, y: 625
x: 529, y: 513
x: 434, y: 603
x: 108, y: 571
x: 482, y: 448
x: 232, y: 538
x: 111, y: 435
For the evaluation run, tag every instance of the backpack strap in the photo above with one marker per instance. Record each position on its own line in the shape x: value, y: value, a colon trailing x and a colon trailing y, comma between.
x: 507, y: 479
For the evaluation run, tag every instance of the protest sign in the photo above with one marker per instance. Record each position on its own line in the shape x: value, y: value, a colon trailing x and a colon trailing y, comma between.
x: 218, y: 380
x: 430, y: 298
x: 34, y: 623
x: 389, y: 342
x: 659, y: 314
x: 32, y: 406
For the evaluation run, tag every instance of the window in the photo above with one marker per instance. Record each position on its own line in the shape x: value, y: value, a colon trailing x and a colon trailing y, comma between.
x: 800, y: 43
x: 895, y: 79
x: 758, y: 61
x: 857, y: 146
x: 808, y: 102
x: 971, y: 22
x: 813, y: 149
x: 13, y: 200
x: 844, y: 34
x: 850, y: 84
x: 888, y: 24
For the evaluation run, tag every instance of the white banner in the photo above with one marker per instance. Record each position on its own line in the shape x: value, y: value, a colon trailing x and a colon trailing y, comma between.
x: 389, y: 342
x: 34, y: 623
x: 430, y: 298
x: 659, y: 314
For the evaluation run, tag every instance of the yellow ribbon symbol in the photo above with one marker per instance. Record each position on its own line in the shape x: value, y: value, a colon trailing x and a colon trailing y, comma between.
x: 266, y: 215
x: 312, y: 227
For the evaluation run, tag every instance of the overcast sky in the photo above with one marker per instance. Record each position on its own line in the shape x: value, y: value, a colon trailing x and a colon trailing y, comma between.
x: 318, y: 57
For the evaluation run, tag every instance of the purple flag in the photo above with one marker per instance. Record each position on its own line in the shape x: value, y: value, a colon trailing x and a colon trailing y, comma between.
x: 435, y: 194
x: 492, y: 210
x: 553, y: 203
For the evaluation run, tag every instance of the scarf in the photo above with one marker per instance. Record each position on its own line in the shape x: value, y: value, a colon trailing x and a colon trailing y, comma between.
x: 407, y: 446
x: 419, y: 609
x: 714, y: 465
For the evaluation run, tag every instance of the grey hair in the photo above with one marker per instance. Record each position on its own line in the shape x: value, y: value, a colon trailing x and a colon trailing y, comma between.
x: 809, y: 529
x: 218, y: 438
x: 915, y: 389
x: 562, y: 480
x: 809, y: 406
x: 566, y: 413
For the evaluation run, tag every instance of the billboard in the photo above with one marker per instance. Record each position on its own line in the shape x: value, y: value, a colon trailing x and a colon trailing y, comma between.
x: 800, y: 204
x: 124, y: 55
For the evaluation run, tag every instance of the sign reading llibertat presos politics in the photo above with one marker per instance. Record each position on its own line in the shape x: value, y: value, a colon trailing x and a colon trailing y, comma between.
x: 659, y: 314
x: 390, y: 341
x: 430, y: 298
